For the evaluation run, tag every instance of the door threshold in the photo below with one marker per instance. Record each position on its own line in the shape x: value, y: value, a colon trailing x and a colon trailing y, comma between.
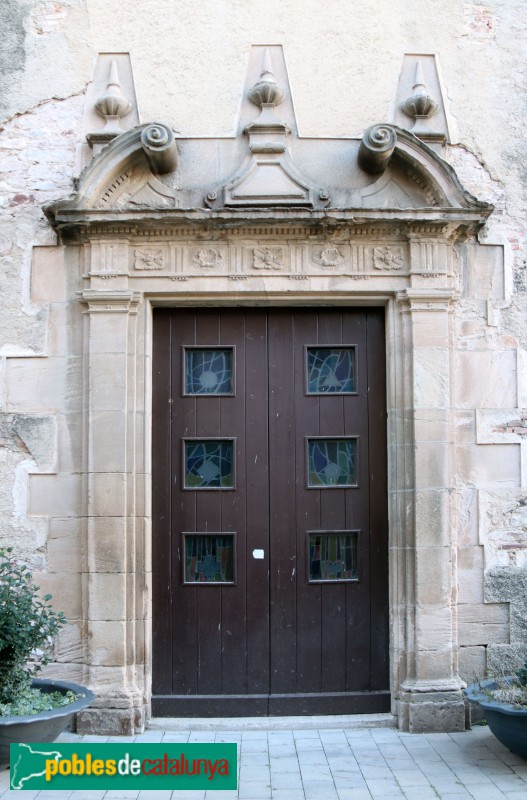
x: 348, y: 721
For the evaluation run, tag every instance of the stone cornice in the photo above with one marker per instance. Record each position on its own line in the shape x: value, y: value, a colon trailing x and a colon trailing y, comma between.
x: 454, y: 223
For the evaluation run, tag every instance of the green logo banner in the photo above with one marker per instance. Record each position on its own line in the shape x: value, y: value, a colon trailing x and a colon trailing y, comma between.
x: 172, y: 766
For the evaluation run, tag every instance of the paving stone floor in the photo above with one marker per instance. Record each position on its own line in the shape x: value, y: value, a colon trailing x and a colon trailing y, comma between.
x: 338, y: 764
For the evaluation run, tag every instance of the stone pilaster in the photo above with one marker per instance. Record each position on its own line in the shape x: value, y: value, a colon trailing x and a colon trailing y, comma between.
x: 115, y: 581
x: 430, y: 694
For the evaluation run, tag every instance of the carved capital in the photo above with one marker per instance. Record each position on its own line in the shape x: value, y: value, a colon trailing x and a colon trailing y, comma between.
x: 427, y: 299
x: 120, y: 301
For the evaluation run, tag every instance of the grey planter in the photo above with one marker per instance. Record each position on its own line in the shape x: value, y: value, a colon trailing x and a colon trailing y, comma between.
x: 507, y: 722
x: 43, y: 727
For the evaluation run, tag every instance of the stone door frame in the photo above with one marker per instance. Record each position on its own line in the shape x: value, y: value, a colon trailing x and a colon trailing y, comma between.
x: 151, y: 231
x: 426, y: 690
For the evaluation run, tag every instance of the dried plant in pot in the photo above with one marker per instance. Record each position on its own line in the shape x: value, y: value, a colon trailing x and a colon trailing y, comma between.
x: 504, y: 701
x: 31, y: 710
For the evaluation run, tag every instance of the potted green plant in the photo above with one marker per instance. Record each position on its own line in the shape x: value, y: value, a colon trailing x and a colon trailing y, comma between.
x: 504, y: 701
x: 31, y: 710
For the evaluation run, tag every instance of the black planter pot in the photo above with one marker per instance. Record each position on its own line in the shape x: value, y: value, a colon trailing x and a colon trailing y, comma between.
x: 508, y: 723
x: 46, y: 726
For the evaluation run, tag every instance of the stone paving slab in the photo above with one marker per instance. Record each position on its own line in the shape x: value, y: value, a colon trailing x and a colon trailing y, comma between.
x: 335, y: 764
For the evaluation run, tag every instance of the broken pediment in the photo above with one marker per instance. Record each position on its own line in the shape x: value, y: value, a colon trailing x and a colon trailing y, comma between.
x: 268, y: 171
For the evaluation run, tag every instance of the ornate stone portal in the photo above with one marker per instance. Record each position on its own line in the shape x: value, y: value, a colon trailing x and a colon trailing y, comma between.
x: 290, y: 221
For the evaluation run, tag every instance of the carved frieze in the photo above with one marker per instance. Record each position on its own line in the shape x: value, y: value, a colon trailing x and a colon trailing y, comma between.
x: 388, y: 258
x: 149, y: 259
x: 246, y: 257
x: 107, y: 258
x: 327, y: 256
x: 428, y: 257
x: 208, y: 258
x: 269, y: 258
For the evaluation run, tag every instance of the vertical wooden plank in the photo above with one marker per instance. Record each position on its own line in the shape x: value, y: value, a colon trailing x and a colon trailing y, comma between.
x: 283, y: 471
x: 184, y: 610
x: 233, y: 510
x: 380, y: 678
x: 358, y: 611
x: 161, y: 505
x: 208, y: 519
x: 257, y: 498
x: 333, y: 517
x: 309, y: 596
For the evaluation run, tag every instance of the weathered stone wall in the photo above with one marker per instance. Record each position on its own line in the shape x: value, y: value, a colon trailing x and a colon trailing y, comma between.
x: 189, y: 60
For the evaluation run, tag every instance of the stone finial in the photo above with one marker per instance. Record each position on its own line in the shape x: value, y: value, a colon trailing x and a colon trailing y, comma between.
x: 266, y: 91
x: 420, y: 105
x: 159, y: 145
x: 113, y: 105
x: 376, y: 148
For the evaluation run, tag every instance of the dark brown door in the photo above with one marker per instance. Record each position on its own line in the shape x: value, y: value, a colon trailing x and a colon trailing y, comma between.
x: 270, y: 586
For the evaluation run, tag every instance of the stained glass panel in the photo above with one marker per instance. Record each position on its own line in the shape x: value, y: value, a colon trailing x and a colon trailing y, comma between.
x: 333, y: 556
x: 332, y: 462
x: 331, y: 370
x: 209, y: 371
x: 208, y: 558
x: 209, y: 464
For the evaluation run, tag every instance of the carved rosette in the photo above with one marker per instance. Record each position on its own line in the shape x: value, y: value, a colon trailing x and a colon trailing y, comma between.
x: 327, y: 256
x: 268, y: 258
x: 208, y: 258
x: 149, y: 259
x: 388, y: 258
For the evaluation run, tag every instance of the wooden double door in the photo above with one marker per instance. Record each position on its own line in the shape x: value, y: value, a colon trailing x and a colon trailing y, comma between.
x: 270, y: 580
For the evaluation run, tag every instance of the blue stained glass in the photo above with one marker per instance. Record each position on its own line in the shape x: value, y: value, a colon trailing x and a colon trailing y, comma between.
x: 208, y: 371
x: 331, y: 370
x: 209, y: 464
x: 209, y: 558
x: 333, y: 556
x: 332, y: 462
